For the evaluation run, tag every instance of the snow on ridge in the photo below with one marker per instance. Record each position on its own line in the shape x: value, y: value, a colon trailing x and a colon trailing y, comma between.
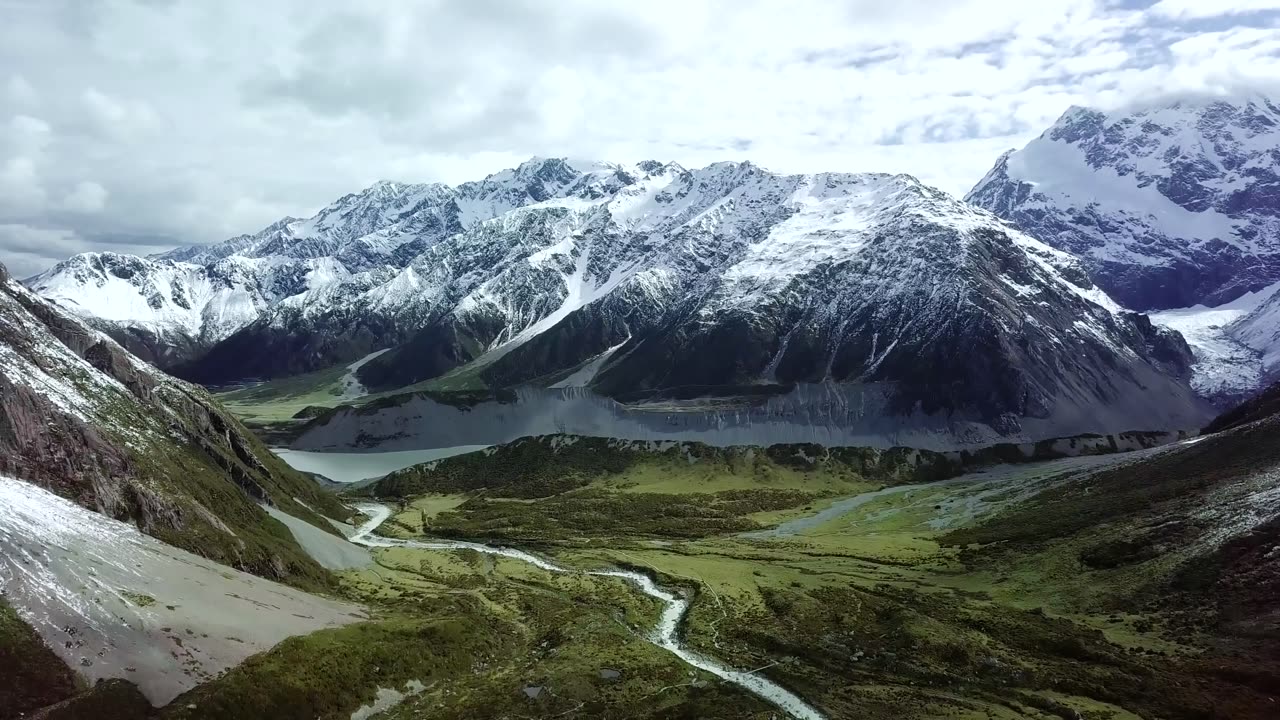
x: 592, y: 228
x: 1060, y: 171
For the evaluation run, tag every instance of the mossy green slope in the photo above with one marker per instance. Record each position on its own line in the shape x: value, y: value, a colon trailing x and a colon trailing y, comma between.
x: 467, y: 634
x: 1059, y: 591
x: 83, y: 418
x: 543, y: 466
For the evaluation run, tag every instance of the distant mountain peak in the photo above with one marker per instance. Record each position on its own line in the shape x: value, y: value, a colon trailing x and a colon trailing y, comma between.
x: 1170, y: 205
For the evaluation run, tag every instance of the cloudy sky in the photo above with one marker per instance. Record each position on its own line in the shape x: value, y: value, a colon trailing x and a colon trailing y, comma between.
x: 138, y: 126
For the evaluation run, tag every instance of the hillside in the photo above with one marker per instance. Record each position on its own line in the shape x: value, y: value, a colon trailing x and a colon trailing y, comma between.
x: 83, y: 418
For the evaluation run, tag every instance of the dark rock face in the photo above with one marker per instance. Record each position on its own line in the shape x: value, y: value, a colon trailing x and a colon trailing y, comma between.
x: 268, y: 350
x: 944, y: 342
x: 165, y: 352
x: 1169, y: 207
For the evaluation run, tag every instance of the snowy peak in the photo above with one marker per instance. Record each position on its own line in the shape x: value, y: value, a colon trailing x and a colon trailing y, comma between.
x: 730, y: 277
x: 1170, y: 206
x: 1209, y: 142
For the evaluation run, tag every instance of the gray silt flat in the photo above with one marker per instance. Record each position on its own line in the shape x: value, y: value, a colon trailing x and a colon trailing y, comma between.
x: 331, y: 551
x: 82, y: 579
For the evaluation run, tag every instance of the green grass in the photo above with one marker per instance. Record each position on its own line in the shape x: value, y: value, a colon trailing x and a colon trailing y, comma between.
x: 545, y: 466
x: 579, y: 514
x: 279, y: 400
x: 330, y: 673
x: 571, y: 485
x: 880, y: 613
x: 1052, y: 603
x: 475, y: 630
x: 416, y: 515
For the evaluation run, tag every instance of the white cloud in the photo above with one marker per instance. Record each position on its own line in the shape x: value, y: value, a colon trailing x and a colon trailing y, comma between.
x: 86, y: 197
x: 198, y: 121
x: 20, y: 92
x: 26, y: 247
x: 1192, y: 9
x: 20, y: 190
x: 28, y: 133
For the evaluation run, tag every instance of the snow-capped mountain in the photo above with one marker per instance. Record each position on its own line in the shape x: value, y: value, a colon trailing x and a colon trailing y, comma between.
x: 732, y: 279
x: 1169, y: 207
x: 171, y: 307
x: 167, y: 310
x: 653, y: 281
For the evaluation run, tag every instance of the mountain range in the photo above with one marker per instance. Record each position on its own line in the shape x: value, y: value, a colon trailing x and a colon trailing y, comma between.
x: 797, y: 326
x: 656, y: 283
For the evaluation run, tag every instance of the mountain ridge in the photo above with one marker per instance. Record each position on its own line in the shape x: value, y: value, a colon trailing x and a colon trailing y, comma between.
x: 707, y: 281
x: 84, y: 419
x: 1170, y: 205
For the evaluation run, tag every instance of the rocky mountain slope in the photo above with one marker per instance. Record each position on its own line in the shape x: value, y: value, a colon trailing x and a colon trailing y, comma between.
x: 83, y: 418
x: 654, y: 281
x: 1169, y: 207
x: 172, y: 307
x: 733, y: 280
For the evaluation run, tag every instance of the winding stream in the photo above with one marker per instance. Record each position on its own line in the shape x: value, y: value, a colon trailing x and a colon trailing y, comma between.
x: 664, y: 635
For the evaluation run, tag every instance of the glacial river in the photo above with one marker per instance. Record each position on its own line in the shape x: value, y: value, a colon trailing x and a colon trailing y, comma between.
x: 665, y: 635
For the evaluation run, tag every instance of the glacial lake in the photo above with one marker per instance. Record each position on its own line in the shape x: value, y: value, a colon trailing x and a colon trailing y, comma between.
x: 354, y: 467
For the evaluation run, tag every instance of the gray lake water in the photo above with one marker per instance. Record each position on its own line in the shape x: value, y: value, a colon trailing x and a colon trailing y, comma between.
x: 349, y: 467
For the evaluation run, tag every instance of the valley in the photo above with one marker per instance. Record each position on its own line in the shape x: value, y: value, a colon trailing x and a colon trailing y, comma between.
x: 860, y: 591
x: 637, y: 440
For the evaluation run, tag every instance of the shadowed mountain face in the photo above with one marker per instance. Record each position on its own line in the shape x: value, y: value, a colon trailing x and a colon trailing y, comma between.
x: 1168, y: 207
x: 82, y: 417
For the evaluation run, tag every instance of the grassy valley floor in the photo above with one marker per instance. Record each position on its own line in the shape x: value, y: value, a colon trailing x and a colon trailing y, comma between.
x: 893, y: 605
x: 871, y: 584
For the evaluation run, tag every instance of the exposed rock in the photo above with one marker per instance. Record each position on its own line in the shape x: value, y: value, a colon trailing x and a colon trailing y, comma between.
x: 1168, y: 206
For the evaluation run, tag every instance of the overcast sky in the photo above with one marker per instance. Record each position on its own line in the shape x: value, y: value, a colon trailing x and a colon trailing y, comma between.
x: 138, y: 126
